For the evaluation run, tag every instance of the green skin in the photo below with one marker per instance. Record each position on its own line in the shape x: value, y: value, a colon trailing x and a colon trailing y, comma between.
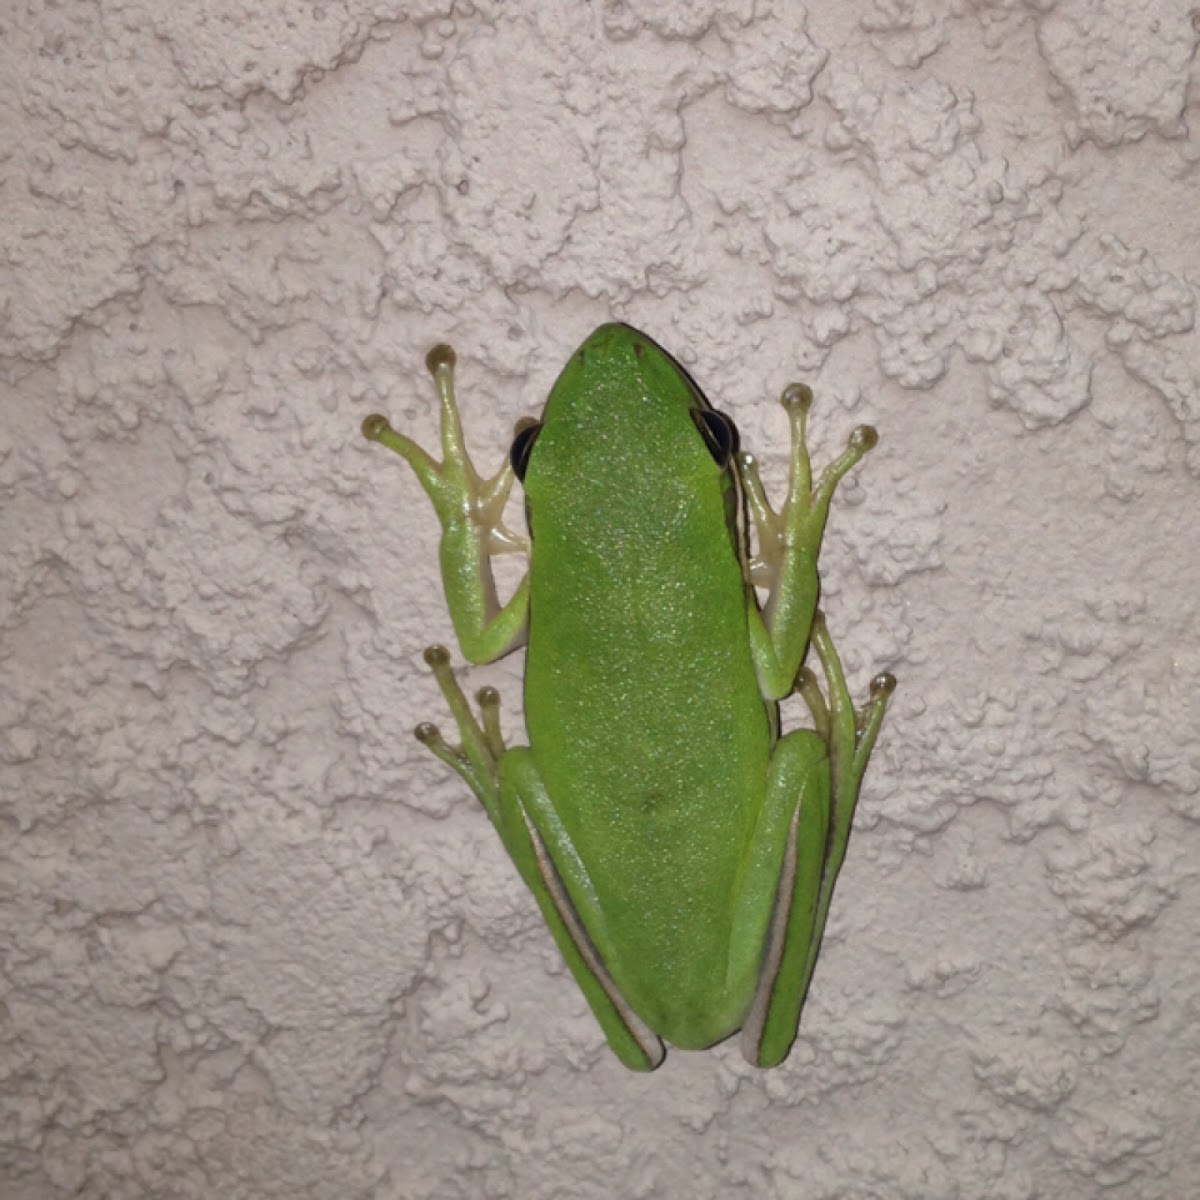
x: 682, y: 851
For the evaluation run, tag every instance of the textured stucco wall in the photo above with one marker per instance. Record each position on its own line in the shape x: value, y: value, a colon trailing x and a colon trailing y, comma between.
x: 257, y: 943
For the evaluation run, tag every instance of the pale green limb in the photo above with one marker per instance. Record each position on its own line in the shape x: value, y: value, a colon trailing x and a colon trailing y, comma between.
x: 789, y: 543
x: 509, y: 787
x: 851, y: 738
x: 828, y: 778
x: 548, y: 863
x: 784, y: 882
x: 470, y: 510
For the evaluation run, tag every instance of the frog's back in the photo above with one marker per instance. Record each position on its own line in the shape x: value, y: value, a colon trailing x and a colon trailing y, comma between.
x: 641, y: 701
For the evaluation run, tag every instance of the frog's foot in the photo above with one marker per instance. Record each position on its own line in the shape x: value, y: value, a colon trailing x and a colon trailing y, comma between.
x: 831, y: 720
x: 459, y: 493
x: 849, y: 734
x: 800, y: 523
x: 477, y: 757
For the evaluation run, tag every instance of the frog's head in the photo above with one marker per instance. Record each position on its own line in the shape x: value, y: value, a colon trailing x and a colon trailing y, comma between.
x: 628, y: 451
x: 621, y: 389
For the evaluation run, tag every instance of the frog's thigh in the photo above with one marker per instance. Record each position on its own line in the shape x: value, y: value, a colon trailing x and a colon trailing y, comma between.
x: 784, y: 881
x: 545, y: 856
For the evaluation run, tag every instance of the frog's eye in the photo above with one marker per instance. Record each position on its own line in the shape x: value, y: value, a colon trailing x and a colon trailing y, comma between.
x: 522, y: 444
x: 719, y: 433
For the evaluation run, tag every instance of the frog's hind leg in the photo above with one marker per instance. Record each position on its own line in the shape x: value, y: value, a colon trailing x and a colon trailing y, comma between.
x: 530, y: 832
x: 791, y: 862
x: 823, y: 771
x: 508, y: 785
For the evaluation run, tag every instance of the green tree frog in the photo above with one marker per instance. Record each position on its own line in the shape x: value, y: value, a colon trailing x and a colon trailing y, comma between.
x: 682, y: 849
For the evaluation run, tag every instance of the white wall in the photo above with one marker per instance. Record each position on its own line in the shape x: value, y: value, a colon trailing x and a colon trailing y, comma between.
x: 256, y: 942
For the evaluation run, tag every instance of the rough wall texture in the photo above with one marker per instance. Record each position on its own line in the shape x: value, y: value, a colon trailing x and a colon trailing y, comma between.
x: 256, y: 943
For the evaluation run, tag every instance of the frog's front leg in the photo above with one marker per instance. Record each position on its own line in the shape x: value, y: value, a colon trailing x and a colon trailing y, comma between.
x: 815, y: 777
x: 470, y: 510
x: 789, y: 543
x: 509, y: 786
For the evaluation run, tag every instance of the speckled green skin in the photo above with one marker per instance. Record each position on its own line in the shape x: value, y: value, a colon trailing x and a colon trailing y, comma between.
x: 643, y: 710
